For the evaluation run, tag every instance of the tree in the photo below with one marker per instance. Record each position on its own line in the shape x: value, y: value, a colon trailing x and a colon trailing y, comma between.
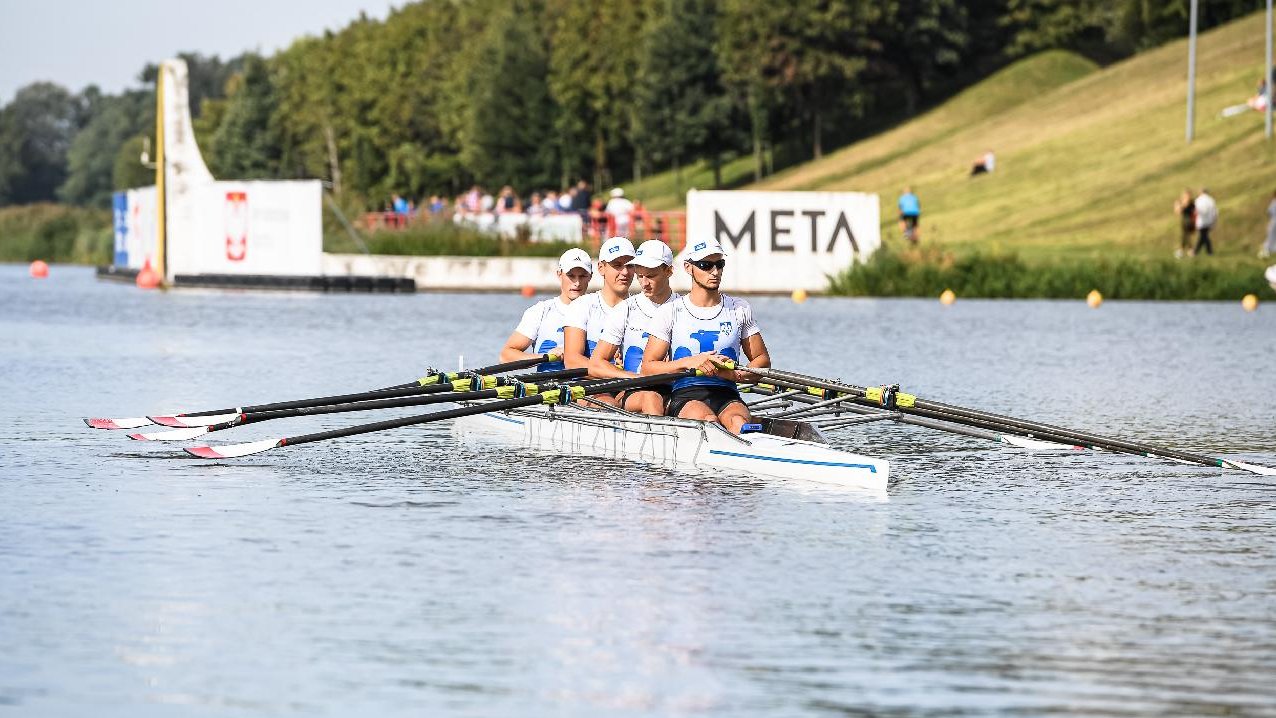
x: 684, y: 111
x: 93, y: 153
x: 510, y: 119
x: 246, y: 145
x: 35, y: 133
x: 912, y: 42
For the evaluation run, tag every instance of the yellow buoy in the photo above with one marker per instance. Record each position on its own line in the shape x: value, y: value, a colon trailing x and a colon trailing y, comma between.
x: 798, y: 296
x: 947, y: 297
x: 1094, y: 299
x: 1249, y: 303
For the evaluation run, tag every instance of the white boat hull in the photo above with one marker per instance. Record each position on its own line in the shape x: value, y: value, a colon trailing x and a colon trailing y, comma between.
x: 677, y: 443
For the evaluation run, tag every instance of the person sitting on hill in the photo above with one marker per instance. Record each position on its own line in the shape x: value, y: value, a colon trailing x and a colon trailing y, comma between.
x: 983, y: 164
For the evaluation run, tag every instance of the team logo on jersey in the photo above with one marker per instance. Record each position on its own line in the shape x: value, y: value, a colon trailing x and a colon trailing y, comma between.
x: 725, y: 327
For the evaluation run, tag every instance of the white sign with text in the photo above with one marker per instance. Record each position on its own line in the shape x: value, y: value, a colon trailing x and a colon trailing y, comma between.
x: 781, y: 241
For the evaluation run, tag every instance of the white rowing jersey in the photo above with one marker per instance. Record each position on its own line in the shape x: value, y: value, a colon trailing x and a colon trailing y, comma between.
x: 692, y: 330
x: 626, y: 328
x: 590, y: 313
x: 543, y: 324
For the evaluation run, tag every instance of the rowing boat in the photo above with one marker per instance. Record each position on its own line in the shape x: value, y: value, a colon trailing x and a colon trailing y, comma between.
x: 784, y: 449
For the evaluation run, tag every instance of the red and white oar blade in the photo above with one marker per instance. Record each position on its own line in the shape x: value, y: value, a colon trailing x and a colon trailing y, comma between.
x: 132, y: 422
x: 186, y: 422
x: 233, y: 451
x: 175, y: 435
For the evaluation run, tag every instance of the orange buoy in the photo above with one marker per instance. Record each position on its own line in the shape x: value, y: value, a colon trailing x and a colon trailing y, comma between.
x: 1249, y: 302
x: 527, y: 290
x: 147, y: 278
x: 1094, y: 299
x: 39, y: 269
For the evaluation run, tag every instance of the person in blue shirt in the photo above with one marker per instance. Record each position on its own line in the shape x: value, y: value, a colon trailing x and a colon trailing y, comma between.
x: 910, y: 215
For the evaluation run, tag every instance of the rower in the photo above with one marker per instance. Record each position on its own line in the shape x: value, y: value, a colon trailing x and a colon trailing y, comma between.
x: 626, y: 329
x: 703, y: 329
x: 540, y: 331
x: 586, y: 316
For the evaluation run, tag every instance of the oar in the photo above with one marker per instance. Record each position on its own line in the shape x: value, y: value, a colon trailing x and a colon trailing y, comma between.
x: 217, y: 416
x: 564, y: 394
x: 484, y: 387
x: 909, y: 404
x: 876, y: 413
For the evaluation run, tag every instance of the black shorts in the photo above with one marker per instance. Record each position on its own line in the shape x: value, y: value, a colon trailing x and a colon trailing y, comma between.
x: 910, y: 220
x: 716, y: 398
x: 664, y: 390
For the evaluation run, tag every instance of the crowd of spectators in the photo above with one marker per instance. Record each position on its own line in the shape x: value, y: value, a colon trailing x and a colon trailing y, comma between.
x: 617, y: 215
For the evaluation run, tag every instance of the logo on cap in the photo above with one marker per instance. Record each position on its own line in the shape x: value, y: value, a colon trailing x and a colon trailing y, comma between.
x: 614, y: 249
x: 700, y: 246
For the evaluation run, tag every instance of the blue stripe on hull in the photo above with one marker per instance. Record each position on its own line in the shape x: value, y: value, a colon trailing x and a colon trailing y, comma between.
x: 870, y: 467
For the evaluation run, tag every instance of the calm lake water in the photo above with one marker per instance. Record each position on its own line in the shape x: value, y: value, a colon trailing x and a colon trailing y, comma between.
x: 402, y: 573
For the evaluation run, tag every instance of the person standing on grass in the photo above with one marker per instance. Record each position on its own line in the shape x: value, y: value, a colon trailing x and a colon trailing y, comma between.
x: 1206, y: 218
x: 910, y: 215
x: 1185, y: 210
x: 1269, y: 247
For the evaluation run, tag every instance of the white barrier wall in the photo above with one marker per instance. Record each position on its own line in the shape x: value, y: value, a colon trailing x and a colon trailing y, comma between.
x: 781, y: 241
x: 566, y: 227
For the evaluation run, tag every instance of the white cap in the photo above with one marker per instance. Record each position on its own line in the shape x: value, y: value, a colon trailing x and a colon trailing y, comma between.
x: 575, y: 258
x: 615, y: 248
x: 653, y: 253
x: 704, y: 248
x: 617, y: 192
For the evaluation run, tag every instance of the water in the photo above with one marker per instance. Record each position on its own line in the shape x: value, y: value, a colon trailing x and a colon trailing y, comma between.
x: 406, y: 574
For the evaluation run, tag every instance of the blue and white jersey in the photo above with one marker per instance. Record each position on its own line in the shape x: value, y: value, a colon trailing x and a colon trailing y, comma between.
x: 692, y: 330
x: 626, y: 328
x: 590, y: 313
x: 543, y: 324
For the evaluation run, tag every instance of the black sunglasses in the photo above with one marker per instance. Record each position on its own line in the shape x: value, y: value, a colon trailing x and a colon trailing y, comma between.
x: 706, y: 265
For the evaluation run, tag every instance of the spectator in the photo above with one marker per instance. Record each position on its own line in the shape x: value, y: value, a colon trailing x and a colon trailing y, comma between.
x: 437, y: 204
x: 399, y: 205
x: 984, y: 164
x: 508, y: 202
x: 584, y: 198
x: 459, y: 207
x: 535, y: 205
x: 620, y: 210
x: 597, y: 220
x: 487, y: 202
x: 1185, y: 210
x: 910, y: 215
x: 551, y: 202
x: 1206, y: 218
x: 641, y: 220
x: 1269, y: 247
x: 473, y: 199
x: 567, y: 200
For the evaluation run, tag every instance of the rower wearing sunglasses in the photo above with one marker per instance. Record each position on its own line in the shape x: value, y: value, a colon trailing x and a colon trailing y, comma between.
x: 626, y: 329
x: 587, y: 315
x: 700, y: 330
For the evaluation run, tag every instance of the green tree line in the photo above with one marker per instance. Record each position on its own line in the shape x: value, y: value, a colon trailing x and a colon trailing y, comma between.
x: 538, y: 93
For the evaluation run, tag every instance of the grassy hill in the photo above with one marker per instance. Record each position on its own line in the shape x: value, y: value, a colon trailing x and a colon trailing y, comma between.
x: 1089, y: 160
